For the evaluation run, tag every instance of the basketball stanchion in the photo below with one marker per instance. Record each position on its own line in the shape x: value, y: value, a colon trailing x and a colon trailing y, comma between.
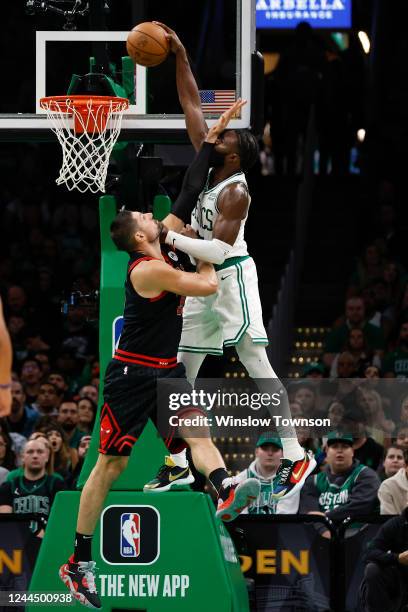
x: 183, y: 558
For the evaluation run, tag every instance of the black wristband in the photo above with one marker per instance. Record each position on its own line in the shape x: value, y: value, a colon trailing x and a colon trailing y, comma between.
x: 193, y: 183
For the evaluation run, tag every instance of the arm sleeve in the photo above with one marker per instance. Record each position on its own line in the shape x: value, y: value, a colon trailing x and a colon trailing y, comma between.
x: 362, y: 498
x: 309, y: 497
x: 214, y: 251
x: 379, y: 549
x: 193, y: 183
x: 6, y: 497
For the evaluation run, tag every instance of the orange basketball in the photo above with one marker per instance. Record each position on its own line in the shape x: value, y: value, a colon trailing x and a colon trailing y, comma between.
x: 147, y: 44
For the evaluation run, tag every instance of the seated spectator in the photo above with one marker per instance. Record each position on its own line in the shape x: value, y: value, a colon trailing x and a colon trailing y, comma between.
x: 396, y: 363
x: 369, y: 266
x: 393, y: 462
x: 393, y: 492
x: 344, y: 488
x: 57, y: 378
x: 354, y: 318
x: 379, y: 427
x: 384, y: 587
x: 268, y: 453
x: 357, y: 346
x: 372, y: 372
x: 305, y: 395
x: 30, y: 377
x: 402, y: 436
x: 89, y: 391
x: 314, y: 370
x: 403, y: 416
x: 43, y: 358
x: 68, y: 418
x: 23, y: 417
x: 7, y: 455
x: 366, y: 450
x: 335, y: 413
x: 17, y: 440
x: 87, y: 414
x: 48, y: 400
x: 346, y: 365
x: 83, y: 448
x: 33, y: 491
x: 65, y: 458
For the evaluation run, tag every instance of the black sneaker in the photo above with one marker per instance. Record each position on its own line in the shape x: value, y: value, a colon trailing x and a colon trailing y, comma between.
x: 291, y: 475
x: 80, y: 580
x: 168, y: 476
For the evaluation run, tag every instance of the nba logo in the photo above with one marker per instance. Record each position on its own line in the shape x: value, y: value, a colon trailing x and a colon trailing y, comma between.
x: 130, y: 535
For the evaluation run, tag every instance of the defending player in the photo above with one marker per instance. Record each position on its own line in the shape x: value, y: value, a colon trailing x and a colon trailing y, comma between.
x: 147, y: 352
x: 234, y: 316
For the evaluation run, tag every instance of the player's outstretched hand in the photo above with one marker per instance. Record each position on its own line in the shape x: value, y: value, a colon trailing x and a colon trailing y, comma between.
x: 174, y: 41
x: 189, y: 232
x: 224, y: 120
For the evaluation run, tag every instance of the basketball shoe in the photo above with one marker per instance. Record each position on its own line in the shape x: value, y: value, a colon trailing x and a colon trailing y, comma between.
x: 236, y: 498
x: 291, y: 475
x: 80, y: 580
x: 168, y: 476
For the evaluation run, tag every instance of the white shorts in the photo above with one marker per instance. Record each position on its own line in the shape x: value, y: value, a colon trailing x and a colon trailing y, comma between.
x: 210, y: 323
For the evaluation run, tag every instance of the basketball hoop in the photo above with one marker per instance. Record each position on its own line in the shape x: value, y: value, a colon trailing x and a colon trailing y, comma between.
x: 87, y: 128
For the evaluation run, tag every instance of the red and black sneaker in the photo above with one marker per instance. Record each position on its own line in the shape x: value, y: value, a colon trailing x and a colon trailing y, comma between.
x: 80, y: 580
x: 240, y: 497
x: 291, y: 475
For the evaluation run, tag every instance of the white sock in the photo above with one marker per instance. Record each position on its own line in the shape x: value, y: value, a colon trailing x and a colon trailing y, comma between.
x: 180, y: 458
x: 292, y: 449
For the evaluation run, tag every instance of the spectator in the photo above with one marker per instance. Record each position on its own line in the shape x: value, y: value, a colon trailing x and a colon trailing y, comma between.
x: 57, y: 378
x: 5, y: 367
x: 83, y: 448
x: 393, y: 462
x: 369, y: 267
x: 346, y: 365
x: 402, y: 436
x: 89, y: 391
x: 65, y: 458
x: 357, y: 346
x: 305, y: 395
x: 31, y: 375
x: 384, y: 587
x: 396, y: 363
x: 372, y: 372
x: 23, y: 417
x: 354, y: 318
x: 314, y: 370
x: 344, y: 488
x: 403, y: 416
x: 268, y: 453
x: 33, y: 491
x: 17, y: 440
x: 68, y: 418
x: 48, y: 400
x: 335, y: 413
x: 393, y: 492
x: 377, y: 424
x: 7, y: 455
x: 366, y: 450
x: 87, y: 414
x: 43, y: 358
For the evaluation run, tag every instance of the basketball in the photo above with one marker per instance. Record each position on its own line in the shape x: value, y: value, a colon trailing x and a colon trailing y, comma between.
x: 147, y: 44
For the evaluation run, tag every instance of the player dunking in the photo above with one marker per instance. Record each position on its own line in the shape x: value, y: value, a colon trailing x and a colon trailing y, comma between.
x: 147, y: 352
x: 234, y: 316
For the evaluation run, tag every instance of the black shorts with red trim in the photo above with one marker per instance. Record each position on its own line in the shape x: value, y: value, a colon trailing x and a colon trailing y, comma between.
x: 130, y: 399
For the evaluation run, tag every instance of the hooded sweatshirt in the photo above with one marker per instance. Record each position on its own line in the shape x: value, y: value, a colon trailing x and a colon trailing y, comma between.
x: 393, y: 493
x: 265, y: 504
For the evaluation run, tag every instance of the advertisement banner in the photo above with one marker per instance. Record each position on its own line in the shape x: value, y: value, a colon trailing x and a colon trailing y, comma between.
x: 289, y: 13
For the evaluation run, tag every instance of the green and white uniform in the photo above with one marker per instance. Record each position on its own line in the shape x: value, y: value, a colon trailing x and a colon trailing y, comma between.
x: 265, y: 504
x: 333, y: 495
x: 210, y: 323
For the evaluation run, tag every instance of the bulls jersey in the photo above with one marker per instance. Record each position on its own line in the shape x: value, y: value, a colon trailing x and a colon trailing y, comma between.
x: 152, y: 326
x: 206, y: 212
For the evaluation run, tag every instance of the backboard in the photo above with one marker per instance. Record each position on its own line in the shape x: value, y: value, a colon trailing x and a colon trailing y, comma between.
x: 219, y: 36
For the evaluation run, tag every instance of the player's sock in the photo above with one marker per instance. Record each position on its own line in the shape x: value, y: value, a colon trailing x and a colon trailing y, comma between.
x: 83, y: 547
x: 180, y: 458
x: 219, y: 478
x: 256, y: 361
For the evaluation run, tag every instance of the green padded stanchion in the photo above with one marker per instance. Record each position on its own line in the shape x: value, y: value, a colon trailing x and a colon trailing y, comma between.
x: 184, y: 559
x: 161, y: 207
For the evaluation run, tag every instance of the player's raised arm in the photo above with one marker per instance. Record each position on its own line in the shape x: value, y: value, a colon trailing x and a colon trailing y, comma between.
x: 150, y: 278
x: 5, y: 367
x: 196, y: 175
x: 187, y: 90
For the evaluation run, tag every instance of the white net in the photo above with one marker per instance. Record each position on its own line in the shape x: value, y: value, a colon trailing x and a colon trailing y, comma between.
x: 87, y: 134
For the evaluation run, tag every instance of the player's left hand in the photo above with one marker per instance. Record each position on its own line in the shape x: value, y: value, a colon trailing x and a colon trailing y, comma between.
x: 189, y: 232
x: 224, y: 120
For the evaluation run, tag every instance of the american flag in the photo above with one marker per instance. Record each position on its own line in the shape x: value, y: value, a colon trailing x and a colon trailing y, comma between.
x: 216, y: 100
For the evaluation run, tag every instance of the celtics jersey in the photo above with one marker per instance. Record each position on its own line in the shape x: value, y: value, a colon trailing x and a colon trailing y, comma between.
x: 30, y: 496
x: 206, y: 212
x: 333, y: 495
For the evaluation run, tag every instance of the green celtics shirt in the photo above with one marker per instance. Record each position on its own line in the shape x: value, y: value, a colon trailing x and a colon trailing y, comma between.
x: 30, y: 496
x: 332, y: 494
x: 397, y: 362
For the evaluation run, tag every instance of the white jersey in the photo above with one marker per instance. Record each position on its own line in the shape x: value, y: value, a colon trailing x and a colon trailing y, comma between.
x: 206, y: 212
